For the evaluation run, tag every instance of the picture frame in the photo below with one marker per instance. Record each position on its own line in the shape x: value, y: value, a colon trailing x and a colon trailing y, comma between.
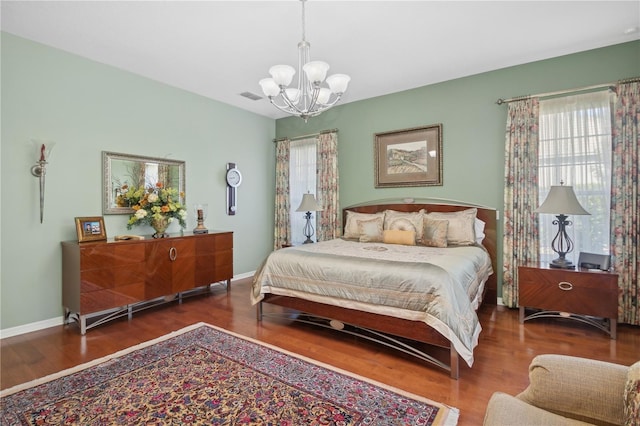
x: 90, y: 229
x: 409, y: 157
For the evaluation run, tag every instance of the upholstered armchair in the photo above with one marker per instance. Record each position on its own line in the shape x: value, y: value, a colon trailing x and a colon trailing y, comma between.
x: 566, y: 390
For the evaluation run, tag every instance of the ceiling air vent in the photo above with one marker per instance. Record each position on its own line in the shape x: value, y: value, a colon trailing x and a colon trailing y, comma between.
x: 251, y: 96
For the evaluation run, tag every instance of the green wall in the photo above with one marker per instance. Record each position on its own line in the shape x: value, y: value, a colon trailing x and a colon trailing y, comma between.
x: 473, y: 125
x: 86, y: 108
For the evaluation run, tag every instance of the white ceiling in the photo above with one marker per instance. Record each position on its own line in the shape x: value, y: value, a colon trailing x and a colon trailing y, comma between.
x: 220, y: 49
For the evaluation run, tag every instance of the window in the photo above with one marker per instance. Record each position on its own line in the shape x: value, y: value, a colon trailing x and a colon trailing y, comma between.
x: 575, y: 147
x: 302, y: 179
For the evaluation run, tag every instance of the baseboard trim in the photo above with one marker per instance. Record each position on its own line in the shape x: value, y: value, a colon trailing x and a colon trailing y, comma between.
x: 58, y: 321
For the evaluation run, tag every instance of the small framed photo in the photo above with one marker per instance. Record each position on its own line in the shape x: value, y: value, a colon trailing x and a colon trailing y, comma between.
x: 410, y: 157
x: 90, y: 229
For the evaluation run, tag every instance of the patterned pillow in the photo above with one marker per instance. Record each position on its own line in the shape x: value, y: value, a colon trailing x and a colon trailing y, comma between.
x: 394, y: 236
x: 632, y: 396
x: 404, y: 221
x: 461, y: 231
x: 351, y: 224
x: 370, y: 231
x: 435, y: 232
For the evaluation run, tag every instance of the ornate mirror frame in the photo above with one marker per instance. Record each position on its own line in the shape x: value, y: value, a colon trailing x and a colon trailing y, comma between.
x: 119, y: 170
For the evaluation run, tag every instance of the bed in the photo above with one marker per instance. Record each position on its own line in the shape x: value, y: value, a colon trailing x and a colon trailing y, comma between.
x: 377, y: 284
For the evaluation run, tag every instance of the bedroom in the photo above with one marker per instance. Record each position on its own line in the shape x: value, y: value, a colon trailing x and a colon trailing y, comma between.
x: 88, y: 107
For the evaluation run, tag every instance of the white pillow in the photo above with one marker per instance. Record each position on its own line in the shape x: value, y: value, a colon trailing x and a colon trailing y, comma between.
x: 461, y: 230
x: 479, y: 228
x: 351, y: 224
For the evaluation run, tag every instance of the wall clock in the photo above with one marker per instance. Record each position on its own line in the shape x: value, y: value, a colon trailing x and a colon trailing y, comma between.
x: 234, y: 179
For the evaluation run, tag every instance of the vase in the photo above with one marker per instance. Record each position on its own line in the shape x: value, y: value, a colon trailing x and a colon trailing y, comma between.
x: 160, y: 224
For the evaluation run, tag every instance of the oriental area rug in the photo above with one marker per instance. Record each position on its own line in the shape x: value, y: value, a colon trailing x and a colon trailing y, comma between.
x: 206, y: 375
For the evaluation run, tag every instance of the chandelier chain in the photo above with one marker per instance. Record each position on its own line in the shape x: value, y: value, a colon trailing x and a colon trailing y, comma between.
x: 304, y: 26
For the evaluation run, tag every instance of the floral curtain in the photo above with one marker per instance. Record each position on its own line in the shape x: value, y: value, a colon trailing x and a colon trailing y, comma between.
x: 282, y: 228
x: 520, y: 234
x: 329, y: 225
x: 625, y: 200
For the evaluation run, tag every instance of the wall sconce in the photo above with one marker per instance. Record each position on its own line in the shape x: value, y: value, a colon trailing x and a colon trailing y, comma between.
x: 308, y: 205
x: 201, y: 215
x: 561, y: 201
x: 43, y: 151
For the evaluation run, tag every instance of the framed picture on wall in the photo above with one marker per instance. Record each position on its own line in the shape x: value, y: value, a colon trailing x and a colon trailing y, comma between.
x: 409, y: 157
x: 90, y: 229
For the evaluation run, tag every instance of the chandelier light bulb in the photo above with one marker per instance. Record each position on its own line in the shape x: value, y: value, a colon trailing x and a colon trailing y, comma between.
x: 282, y: 74
x: 310, y: 97
x: 316, y: 71
x: 293, y: 95
x: 324, y: 95
x: 338, y: 83
x: 269, y: 87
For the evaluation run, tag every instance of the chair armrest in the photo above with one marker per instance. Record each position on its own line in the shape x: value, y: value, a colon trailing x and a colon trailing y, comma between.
x: 504, y: 409
x: 578, y: 388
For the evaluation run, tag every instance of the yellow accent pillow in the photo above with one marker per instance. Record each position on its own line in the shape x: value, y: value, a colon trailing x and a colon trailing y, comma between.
x: 393, y: 236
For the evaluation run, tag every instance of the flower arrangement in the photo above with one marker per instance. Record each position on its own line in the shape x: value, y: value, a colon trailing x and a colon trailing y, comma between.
x: 153, y: 204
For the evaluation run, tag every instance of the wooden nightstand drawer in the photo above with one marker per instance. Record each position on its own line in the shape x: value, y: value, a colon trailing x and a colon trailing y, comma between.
x: 575, y: 294
x: 586, y: 293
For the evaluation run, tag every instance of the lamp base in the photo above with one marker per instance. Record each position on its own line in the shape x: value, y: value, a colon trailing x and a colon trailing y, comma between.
x: 561, y: 264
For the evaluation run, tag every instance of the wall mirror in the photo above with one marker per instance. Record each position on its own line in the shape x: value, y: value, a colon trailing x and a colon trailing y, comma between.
x: 123, y: 171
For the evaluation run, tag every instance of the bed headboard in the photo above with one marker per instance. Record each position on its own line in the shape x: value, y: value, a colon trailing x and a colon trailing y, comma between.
x: 485, y: 214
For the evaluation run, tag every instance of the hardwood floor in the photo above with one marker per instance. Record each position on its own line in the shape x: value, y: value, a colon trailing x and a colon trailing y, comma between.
x: 501, y: 357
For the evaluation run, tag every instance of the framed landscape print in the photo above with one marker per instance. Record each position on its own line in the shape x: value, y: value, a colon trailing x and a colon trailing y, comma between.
x: 410, y: 157
x: 90, y: 229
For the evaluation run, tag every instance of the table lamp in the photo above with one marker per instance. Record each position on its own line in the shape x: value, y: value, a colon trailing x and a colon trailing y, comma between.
x: 308, y: 205
x: 561, y: 201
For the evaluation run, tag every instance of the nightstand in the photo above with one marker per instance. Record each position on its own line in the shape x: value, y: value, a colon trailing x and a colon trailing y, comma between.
x: 583, y: 295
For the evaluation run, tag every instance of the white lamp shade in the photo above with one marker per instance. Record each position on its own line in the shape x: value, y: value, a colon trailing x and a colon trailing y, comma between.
x: 316, y: 71
x: 269, y: 87
x: 308, y: 204
x: 338, y: 83
x: 561, y: 200
x: 282, y: 74
x: 293, y: 95
x: 324, y: 95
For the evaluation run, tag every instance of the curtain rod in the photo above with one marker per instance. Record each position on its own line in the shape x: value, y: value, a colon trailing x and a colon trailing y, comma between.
x: 609, y: 86
x: 306, y: 136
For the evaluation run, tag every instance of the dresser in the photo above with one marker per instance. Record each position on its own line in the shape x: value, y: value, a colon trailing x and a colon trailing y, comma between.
x: 583, y: 295
x: 108, y: 279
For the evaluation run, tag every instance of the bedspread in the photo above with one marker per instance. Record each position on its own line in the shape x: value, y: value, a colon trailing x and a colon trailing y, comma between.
x: 433, y: 285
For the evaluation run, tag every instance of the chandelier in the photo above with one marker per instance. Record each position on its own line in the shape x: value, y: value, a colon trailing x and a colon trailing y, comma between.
x: 310, y: 97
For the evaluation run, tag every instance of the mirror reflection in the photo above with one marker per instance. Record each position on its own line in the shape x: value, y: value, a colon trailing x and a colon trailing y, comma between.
x: 121, y: 172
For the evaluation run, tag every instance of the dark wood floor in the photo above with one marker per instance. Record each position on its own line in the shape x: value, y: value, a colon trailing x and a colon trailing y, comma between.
x: 501, y: 358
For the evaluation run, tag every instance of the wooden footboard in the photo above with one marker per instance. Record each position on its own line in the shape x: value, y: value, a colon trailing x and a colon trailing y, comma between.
x: 391, y: 326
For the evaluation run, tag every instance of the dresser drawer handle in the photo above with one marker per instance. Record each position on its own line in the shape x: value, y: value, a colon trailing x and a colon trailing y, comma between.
x: 563, y: 285
x: 173, y: 254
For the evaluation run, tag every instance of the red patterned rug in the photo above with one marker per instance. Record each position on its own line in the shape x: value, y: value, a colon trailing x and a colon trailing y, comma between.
x: 205, y: 375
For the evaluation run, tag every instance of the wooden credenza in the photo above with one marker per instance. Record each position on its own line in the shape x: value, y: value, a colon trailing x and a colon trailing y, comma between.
x: 109, y: 279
